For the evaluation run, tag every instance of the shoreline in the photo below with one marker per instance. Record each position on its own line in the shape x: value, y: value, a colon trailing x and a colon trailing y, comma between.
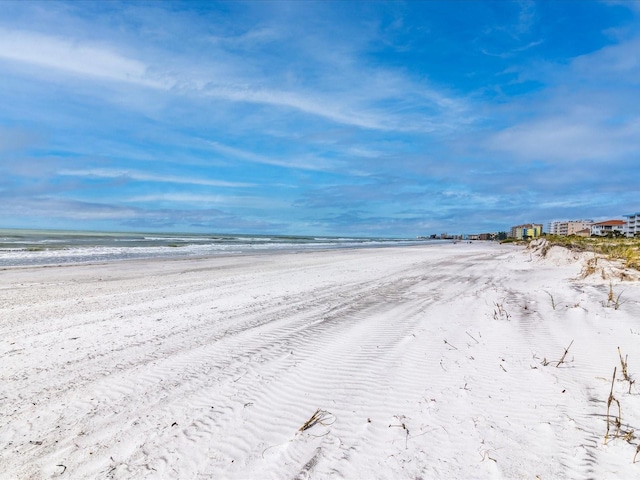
x: 216, y: 256
x: 418, y: 362
x: 46, y: 249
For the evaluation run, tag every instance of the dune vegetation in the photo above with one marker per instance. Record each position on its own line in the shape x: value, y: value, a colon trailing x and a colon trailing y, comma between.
x: 624, y: 249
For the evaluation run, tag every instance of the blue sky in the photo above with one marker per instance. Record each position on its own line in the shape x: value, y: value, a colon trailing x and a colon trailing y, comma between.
x: 318, y: 118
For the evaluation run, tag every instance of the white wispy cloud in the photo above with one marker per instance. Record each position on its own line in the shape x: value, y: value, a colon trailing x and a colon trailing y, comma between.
x: 319, y: 104
x: 302, y: 162
x: 75, y: 57
x: 52, y: 207
x: 615, y: 63
x: 249, y: 39
x: 150, y: 177
x: 234, y: 201
x: 561, y: 139
x: 596, y: 119
x: 513, y: 51
x: 634, y: 5
x: 16, y: 139
x: 350, y: 97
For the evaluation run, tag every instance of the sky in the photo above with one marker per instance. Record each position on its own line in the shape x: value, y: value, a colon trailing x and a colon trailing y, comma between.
x: 394, y: 119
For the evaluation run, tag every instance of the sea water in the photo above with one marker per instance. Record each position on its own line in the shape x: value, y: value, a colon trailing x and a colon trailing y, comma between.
x: 46, y: 247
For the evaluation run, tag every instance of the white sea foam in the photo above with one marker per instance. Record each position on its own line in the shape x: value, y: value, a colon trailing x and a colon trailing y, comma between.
x: 43, y: 248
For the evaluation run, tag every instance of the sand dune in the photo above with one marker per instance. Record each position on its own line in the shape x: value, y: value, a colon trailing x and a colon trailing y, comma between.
x: 420, y: 362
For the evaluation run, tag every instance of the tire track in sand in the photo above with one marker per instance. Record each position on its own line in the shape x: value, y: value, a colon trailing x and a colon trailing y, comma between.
x: 164, y: 380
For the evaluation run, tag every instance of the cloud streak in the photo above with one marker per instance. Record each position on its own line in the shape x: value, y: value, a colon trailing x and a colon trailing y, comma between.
x: 74, y: 57
x: 104, y: 62
x: 150, y: 177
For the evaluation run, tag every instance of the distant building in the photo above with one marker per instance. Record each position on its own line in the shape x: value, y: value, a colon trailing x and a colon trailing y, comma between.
x: 568, y: 227
x: 584, y: 233
x: 527, y: 230
x: 609, y: 227
x: 487, y: 236
x: 632, y: 225
x: 446, y: 236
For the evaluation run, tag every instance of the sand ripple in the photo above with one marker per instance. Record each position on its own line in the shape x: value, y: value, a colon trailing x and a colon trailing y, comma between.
x: 425, y: 363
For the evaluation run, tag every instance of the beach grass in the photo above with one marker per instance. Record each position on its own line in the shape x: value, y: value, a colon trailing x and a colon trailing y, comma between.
x: 624, y: 249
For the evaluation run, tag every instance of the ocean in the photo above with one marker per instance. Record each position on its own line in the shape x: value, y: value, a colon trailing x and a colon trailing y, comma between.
x: 45, y: 247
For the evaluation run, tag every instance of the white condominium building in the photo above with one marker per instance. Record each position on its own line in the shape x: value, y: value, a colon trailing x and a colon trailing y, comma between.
x: 568, y: 227
x: 632, y: 224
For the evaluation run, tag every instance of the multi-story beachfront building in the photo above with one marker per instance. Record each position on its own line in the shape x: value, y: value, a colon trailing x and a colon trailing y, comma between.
x: 568, y: 227
x: 528, y: 230
x: 632, y: 225
x: 609, y: 227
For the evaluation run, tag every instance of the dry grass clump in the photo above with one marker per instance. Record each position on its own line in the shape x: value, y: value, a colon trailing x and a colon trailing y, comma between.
x: 615, y: 427
x: 499, y: 313
x: 625, y: 373
x: 562, y: 360
x: 590, y: 267
x: 616, y: 420
x: 321, y: 417
x: 613, y: 300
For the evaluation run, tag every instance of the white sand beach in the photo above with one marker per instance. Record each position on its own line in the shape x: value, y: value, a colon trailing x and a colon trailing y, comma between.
x: 444, y: 361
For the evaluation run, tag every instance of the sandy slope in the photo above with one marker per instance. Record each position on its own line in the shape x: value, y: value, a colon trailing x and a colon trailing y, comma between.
x: 427, y: 362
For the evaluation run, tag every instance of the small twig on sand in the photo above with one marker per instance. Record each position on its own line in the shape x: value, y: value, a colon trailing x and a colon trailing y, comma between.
x: 566, y: 350
x: 553, y: 302
x: 472, y: 337
x: 452, y: 346
x: 404, y: 427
